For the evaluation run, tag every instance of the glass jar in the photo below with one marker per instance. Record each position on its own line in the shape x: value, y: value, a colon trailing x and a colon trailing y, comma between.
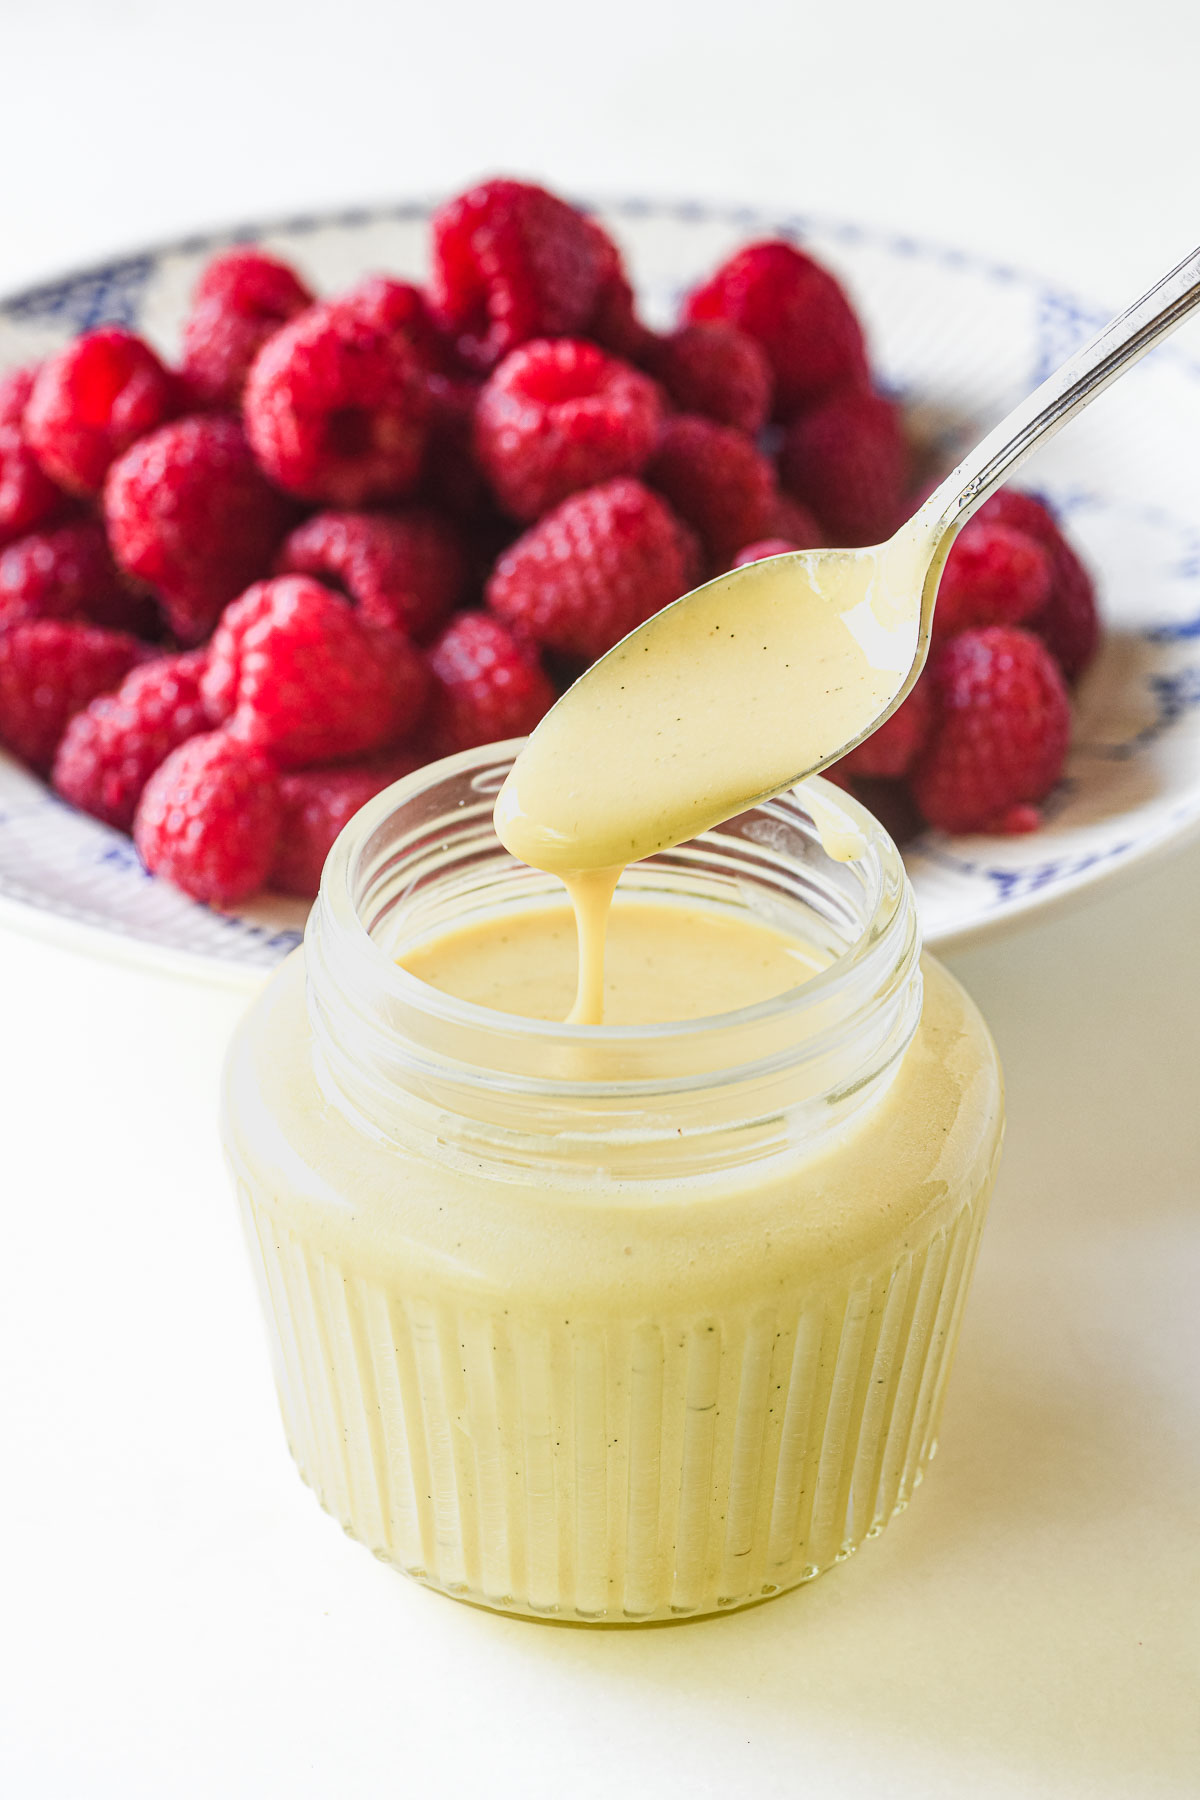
x: 603, y: 1323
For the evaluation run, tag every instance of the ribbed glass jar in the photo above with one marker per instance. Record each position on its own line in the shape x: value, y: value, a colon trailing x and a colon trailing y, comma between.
x: 601, y: 1323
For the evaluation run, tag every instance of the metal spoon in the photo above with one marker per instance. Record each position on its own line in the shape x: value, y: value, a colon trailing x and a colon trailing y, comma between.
x: 772, y: 672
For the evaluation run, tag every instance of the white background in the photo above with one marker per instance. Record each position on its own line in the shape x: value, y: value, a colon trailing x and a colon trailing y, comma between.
x: 179, y: 1619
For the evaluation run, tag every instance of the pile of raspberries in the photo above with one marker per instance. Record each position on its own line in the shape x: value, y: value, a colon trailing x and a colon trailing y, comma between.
x: 346, y: 536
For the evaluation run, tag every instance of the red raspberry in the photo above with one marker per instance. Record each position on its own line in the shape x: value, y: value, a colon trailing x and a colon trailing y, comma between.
x: 209, y: 819
x: 316, y: 803
x: 223, y: 668
x: 50, y: 669
x: 294, y: 671
x: 28, y: 497
x: 714, y: 369
x: 805, y: 534
x: 1000, y: 733
x: 188, y: 510
x: 15, y: 388
x: 110, y: 750
x: 92, y: 401
x: 993, y: 576
x: 1021, y: 512
x: 1069, y: 623
x: 336, y: 408
x: 490, y: 685
x: 68, y: 573
x: 405, y: 570
x: 512, y: 262
x: 695, y: 562
x: 765, y: 547
x: 614, y: 323
x: 848, y: 460
x: 400, y: 309
x: 796, y: 311
x: 242, y: 297
x: 892, y: 747
x: 559, y: 415
x: 789, y: 519
x: 592, y: 569
x: 716, y: 480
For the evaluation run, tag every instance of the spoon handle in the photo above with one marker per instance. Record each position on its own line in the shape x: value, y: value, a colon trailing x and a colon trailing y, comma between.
x: 1072, y: 387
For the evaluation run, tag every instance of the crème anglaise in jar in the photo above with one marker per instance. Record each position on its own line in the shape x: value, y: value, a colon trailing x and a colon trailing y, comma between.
x: 615, y: 1323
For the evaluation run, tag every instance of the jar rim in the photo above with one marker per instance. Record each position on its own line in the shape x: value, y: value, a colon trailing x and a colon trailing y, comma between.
x: 339, y: 903
x: 417, y: 1064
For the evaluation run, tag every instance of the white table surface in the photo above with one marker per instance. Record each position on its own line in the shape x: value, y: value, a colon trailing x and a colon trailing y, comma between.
x: 179, y: 1619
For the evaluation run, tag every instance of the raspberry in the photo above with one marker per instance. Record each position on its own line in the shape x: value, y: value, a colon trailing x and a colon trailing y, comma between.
x: 406, y: 570
x: 614, y: 323
x: 1000, y: 734
x: 796, y: 311
x: 714, y: 369
x: 242, y: 297
x: 336, y: 408
x: 294, y: 671
x: 400, y: 309
x: 512, y: 262
x: 50, y: 669
x: 209, y: 819
x: 222, y: 671
x: 848, y: 460
x: 789, y: 519
x: 716, y: 480
x: 695, y: 562
x: 805, y: 535
x: 28, y: 497
x: 188, y: 510
x: 316, y: 803
x: 490, y: 685
x: 764, y: 548
x: 15, y: 389
x: 92, y: 401
x: 1069, y: 623
x: 110, y: 750
x: 993, y: 576
x: 892, y: 747
x: 67, y: 573
x: 592, y: 569
x: 1021, y: 512
x: 559, y: 415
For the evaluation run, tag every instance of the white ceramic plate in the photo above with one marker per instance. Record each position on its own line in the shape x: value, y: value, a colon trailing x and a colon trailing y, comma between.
x: 959, y: 339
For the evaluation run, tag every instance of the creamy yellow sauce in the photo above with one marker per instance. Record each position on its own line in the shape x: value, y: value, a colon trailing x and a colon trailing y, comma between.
x: 664, y: 962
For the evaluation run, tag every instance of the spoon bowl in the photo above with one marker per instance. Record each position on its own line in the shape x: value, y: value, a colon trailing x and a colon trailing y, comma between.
x: 803, y: 652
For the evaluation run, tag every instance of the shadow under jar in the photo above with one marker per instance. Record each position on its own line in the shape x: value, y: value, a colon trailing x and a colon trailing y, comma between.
x: 600, y: 1323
